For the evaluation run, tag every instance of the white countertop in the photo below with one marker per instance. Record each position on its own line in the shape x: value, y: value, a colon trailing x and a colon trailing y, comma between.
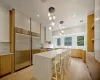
x: 51, y: 54
x: 3, y: 54
x: 92, y: 54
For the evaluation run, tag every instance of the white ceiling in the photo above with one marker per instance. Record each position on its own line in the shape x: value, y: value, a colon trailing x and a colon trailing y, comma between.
x: 65, y: 9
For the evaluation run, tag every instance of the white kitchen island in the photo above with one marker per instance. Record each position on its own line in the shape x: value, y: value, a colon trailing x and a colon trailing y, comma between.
x: 43, y: 63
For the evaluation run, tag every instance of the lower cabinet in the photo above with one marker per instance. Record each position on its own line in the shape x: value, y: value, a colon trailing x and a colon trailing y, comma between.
x: 76, y: 53
x: 5, y: 64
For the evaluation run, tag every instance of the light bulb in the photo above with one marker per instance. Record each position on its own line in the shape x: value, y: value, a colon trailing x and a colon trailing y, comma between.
x: 50, y: 18
x: 49, y: 14
x: 54, y: 17
x: 62, y: 31
x: 52, y: 23
x: 50, y: 28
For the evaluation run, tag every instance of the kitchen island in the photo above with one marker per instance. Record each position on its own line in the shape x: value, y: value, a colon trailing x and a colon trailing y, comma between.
x: 43, y: 63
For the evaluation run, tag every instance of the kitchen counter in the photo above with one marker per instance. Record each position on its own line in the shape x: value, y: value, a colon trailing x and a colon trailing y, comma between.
x: 50, y: 54
x: 3, y: 54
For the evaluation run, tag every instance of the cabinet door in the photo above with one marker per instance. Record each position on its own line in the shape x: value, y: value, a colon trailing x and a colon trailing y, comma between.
x: 4, y: 24
x: 48, y: 34
x: 5, y: 64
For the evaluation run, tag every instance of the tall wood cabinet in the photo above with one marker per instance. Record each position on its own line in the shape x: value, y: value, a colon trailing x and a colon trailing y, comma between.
x: 90, y: 33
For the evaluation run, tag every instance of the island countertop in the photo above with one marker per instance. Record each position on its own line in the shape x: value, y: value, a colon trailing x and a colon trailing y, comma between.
x: 50, y: 54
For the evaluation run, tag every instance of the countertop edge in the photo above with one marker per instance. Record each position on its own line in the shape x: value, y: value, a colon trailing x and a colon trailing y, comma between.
x: 3, y: 54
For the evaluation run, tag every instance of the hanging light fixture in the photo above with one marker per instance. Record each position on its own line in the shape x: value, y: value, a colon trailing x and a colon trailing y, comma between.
x: 51, y: 9
x: 51, y: 16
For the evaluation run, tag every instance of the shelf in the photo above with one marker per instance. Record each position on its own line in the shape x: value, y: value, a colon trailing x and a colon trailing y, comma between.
x: 92, y: 27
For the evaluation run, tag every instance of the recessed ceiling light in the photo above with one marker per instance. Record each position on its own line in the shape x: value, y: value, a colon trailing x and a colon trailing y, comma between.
x: 60, y: 34
x: 54, y: 17
x: 50, y: 28
x: 49, y: 14
x: 52, y: 23
x: 50, y: 18
x: 74, y: 16
x: 38, y: 15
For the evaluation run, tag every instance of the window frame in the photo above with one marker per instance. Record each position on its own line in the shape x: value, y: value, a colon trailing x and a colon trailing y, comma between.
x: 66, y: 42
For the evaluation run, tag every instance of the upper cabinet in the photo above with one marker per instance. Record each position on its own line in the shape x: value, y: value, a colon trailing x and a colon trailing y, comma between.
x: 4, y: 24
x: 22, y: 21
x: 48, y: 35
x: 35, y: 27
x: 43, y: 34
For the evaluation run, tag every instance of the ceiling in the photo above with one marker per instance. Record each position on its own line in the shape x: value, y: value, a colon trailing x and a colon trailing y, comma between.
x: 64, y: 10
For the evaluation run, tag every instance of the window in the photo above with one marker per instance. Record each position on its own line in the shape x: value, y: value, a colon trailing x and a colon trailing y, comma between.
x: 80, y: 40
x: 58, y: 42
x: 68, y: 41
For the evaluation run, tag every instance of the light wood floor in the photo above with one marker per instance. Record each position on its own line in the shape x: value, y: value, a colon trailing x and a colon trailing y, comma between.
x: 76, y: 71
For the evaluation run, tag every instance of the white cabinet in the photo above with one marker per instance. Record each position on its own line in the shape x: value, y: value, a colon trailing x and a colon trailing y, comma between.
x: 22, y: 21
x: 35, y: 27
x: 97, y: 30
x: 48, y: 35
x: 43, y: 31
x: 4, y: 24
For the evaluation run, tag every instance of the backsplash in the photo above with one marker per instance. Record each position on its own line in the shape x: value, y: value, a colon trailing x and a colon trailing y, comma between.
x: 4, y: 47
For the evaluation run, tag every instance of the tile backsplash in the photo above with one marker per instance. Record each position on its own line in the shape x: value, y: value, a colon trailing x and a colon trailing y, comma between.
x: 4, y: 47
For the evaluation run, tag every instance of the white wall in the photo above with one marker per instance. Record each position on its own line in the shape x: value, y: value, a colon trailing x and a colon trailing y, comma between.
x: 35, y: 27
x: 77, y: 29
x: 4, y: 31
x: 73, y: 32
x: 74, y: 41
x: 97, y: 30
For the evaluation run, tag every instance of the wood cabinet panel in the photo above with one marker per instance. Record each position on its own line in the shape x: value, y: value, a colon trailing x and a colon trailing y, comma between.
x: 90, y: 33
x: 84, y: 55
x: 5, y: 64
x: 93, y: 66
x: 76, y: 53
